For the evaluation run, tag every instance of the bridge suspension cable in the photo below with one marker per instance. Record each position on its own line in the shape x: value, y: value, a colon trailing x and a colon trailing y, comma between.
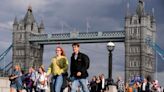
x: 155, y: 47
x: 5, y: 68
x: 5, y: 53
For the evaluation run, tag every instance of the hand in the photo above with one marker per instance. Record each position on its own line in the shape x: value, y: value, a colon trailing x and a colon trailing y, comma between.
x: 47, y: 76
x: 11, y: 78
x: 78, y: 73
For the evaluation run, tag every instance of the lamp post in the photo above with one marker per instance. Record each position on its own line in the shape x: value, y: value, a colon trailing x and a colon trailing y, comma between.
x: 110, y: 47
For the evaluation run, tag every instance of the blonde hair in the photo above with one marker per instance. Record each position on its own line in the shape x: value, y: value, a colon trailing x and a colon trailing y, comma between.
x: 17, y: 67
x: 42, y: 67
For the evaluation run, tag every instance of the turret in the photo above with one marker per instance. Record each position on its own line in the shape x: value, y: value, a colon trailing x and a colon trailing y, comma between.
x: 41, y: 28
x: 29, y: 19
x: 140, y: 10
x: 15, y: 24
x: 153, y: 24
x: 35, y: 27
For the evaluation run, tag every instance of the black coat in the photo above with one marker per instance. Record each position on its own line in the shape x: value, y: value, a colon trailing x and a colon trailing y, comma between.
x: 81, y: 64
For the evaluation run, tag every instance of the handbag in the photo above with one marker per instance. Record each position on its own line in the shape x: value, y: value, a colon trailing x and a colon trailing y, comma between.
x: 10, y: 79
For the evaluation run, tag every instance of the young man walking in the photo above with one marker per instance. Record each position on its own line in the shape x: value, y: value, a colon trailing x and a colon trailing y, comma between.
x: 79, y: 66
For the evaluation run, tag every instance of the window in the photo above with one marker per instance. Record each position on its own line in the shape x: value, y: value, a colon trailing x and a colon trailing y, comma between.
x: 135, y: 21
x: 135, y: 63
x: 130, y: 65
x: 135, y: 30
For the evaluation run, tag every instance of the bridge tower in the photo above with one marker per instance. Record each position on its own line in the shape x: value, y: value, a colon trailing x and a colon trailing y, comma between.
x: 26, y: 54
x: 139, y: 58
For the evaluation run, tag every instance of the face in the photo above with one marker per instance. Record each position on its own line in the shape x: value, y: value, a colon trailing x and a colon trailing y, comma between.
x: 16, y: 68
x: 40, y: 70
x: 75, y: 49
x: 29, y: 70
x: 58, y: 51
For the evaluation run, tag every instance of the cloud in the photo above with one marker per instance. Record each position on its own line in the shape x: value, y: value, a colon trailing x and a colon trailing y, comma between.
x: 23, y: 4
x: 74, y: 13
x: 159, y: 77
x: 6, y: 26
x: 160, y: 32
x: 4, y: 45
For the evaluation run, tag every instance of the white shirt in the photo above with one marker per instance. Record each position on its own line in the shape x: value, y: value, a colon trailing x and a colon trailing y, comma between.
x: 103, y: 83
x: 42, y: 77
x: 75, y: 56
x: 144, y: 86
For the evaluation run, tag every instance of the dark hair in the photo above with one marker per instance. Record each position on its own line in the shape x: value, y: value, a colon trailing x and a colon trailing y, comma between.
x: 76, y: 44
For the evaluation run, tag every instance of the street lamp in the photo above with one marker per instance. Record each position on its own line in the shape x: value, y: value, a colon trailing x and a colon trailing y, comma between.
x: 110, y: 47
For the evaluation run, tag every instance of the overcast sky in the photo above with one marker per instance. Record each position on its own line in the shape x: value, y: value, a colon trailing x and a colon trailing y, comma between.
x: 102, y: 15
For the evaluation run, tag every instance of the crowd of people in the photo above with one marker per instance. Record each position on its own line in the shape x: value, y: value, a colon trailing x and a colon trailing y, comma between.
x: 57, y: 78
x: 58, y: 69
x: 144, y: 85
x: 100, y: 84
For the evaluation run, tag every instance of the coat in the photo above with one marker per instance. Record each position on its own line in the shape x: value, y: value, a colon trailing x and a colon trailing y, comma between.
x: 80, y: 64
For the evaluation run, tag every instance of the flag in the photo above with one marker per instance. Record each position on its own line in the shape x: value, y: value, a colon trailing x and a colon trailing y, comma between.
x: 88, y: 25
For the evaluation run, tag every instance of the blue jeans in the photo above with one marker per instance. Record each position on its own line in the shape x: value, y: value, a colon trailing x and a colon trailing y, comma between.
x: 57, y: 83
x: 79, y: 82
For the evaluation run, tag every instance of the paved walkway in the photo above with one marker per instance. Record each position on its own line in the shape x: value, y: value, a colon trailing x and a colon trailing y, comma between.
x: 5, y: 85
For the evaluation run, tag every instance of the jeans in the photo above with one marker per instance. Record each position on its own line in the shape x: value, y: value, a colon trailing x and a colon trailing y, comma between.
x: 28, y: 89
x: 41, y: 90
x: 57, y: 83
x: 79, y: 82
x: 120, y: 91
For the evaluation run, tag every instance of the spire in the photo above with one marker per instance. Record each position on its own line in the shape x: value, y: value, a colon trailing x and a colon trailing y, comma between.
x: 30, y: 8
x: 15, y: 21
x: 29, y: 18
x: 127, y: 9
x: 140, y: 8
x: 152, y: 17
x: 152, y: 11
x: 42, y: 24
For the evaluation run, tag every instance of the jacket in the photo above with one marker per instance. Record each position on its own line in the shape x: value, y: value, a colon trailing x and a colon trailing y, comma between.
x: 58, y: 66
x: 81, y: 64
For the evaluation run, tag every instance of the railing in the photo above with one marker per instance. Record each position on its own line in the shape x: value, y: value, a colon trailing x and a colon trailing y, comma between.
x: 114, y: 34
x: 63, y: 35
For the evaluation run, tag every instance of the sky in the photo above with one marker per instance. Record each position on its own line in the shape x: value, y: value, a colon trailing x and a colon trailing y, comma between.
x: 61, y: 16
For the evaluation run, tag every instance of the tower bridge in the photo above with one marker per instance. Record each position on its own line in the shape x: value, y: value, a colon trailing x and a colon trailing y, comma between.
x: 81, y: 37
x: 29, y: 40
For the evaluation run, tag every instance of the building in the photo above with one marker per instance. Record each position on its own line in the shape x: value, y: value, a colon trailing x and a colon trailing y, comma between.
x: 26, y: 54
x: 139, y: 57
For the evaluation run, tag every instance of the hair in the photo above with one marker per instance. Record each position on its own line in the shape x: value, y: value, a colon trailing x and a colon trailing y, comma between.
x: 76, y: 44
x: 18, y: 67
x: 42, y: 67
x: 62, y: 50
